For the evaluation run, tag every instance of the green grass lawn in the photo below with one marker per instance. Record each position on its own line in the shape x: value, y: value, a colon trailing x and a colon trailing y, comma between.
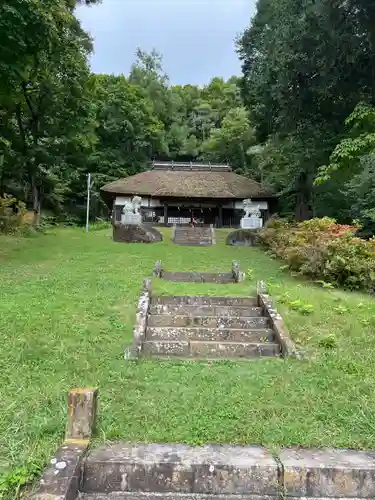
x: 67, y: 308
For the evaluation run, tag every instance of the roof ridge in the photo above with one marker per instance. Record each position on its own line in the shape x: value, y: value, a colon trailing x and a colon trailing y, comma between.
x: 172, y: 165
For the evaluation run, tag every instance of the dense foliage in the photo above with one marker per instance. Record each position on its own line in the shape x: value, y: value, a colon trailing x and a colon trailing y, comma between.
x: 301, y: 119
x: 323, y: 250
x: 308, y: 65
x: 58, y: 122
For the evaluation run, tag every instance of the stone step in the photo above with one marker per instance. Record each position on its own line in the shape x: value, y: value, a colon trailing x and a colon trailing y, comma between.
x: 163, y: 496
x: 205, y: 301
x: 193, y: 230
x: 206, y: 237
x: 182, y: 277
x: 221, y: 322
x: 181, y: 469
x: 205, y: 310
x: 180, y: 237
x: 209, y: 349
x: 192, y: 244
x: 259, y: 335
x: 194, y: 233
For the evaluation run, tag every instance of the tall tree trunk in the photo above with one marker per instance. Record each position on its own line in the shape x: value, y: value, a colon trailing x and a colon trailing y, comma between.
x: 36, y: 201
x: 303, y: 198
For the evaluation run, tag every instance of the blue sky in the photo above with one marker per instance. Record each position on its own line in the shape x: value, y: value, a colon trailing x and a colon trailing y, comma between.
x: 196, y: 37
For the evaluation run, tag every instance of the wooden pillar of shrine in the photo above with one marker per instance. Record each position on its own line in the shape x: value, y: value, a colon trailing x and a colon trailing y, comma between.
x: 165, y: 214
x: 220, y: 217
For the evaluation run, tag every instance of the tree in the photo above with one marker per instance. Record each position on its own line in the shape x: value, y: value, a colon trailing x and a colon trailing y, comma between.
x: 232, y: 141
x: 43, y: 69
x: 300, y: 85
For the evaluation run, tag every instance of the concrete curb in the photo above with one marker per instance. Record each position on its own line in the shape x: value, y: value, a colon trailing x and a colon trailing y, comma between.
x: 61, y: 479
x: 288, y: 348
x: 250, y: 471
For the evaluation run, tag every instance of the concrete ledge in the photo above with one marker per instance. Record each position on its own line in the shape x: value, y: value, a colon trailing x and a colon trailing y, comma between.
x: 235, y: 472
x: 168, y: 496
x: 162, y: 468
x: 139, y: 331
x: 288, y: 348
x: 328, y: 473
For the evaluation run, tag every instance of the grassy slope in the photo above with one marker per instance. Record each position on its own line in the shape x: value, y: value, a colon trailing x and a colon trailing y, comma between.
x: 67, y: 306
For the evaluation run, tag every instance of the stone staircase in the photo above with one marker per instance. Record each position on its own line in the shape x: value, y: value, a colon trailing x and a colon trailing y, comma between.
x: 207, y: 328
x: 194, y: 235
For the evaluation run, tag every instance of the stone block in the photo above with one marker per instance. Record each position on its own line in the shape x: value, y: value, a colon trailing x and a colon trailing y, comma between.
x: 61, y: 478
x: 222, y: 322
x: 131, y: 219
x: 177, y: 348
x: 139, y: 330
x: 208, y: 334
x: 82, y: 407
x: 164, y: 468
x: 196, y: 277
x: 229, y: 350
x: 206, y: 310
x: 243, y: 237
x: 169, y: 496
x: 328, y: 473
x: 136, y: 233
x: 251, y: 222
x: 288, y: 347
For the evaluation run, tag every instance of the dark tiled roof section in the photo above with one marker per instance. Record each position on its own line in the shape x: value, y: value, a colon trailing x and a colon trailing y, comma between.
x: 189, y: 184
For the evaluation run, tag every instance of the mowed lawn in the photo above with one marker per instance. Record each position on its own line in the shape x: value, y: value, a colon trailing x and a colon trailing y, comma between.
x: 67, y: 308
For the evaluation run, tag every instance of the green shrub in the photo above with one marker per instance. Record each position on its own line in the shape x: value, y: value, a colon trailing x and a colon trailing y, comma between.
x: 323, y: 250
x: 12, y: 214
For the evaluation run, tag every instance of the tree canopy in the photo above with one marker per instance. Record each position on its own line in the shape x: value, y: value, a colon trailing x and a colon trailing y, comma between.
x: 300, y: 119
x: 307, y: 65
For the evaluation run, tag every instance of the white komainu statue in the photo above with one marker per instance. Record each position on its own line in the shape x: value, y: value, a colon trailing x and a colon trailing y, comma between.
x: 132, y: 207
x: 251, y: 210
x: 137, y: 203
x: 247, y: 206
x: 128, y: 208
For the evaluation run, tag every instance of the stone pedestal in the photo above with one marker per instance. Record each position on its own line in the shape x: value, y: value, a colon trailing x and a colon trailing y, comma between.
x: 252, y: 222
x: 131, y: 219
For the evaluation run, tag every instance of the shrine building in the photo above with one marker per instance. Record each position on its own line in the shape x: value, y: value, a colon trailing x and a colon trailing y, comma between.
x: 173, y: 193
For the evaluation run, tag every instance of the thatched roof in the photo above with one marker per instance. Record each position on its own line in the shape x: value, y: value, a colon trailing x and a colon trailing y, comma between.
x: 188, y: 181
